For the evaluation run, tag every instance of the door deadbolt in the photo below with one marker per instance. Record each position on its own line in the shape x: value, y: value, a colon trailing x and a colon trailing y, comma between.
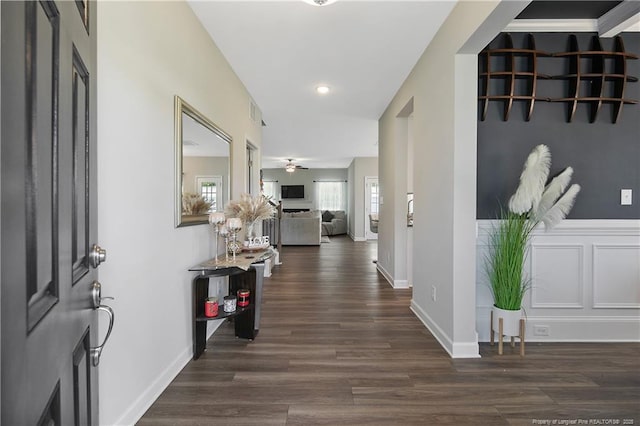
x: 97, y: 256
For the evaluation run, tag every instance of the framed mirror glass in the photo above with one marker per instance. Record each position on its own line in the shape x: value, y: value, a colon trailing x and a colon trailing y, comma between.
x: 203, y: 154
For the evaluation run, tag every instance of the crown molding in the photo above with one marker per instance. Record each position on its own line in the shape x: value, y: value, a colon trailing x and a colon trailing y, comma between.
x: 624, y: 17
x: 552, y: 26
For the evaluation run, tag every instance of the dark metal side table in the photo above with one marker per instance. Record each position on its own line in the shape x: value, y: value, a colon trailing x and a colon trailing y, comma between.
x: 247, y: 319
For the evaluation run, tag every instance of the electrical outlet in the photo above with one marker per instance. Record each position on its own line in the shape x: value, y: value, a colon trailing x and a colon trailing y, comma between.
x: 626, y: 197
x: 540, y: 330
x: 433, y: 293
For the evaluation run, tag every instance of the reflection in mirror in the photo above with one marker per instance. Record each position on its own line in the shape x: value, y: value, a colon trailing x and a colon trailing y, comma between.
x: 202, y: 166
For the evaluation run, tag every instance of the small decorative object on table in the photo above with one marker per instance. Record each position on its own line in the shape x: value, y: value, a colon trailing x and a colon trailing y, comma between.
x: 229, y: 303
x: 224, y: 233
x: 217, y: 220
x: 211, y: 307
x: 243, y: 297
x: 256, y: 244
x: 234, y: 225
x: 251, y: 210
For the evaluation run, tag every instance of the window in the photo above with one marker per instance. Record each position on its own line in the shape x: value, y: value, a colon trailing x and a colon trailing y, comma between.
x: 210, y: 187
x: 374, y: 197
x: 331, y: 195
x: 269, y: 190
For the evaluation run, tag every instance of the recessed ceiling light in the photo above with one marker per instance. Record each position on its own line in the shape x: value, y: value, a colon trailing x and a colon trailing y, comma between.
x: 323, y: 90
x: 320, y: 2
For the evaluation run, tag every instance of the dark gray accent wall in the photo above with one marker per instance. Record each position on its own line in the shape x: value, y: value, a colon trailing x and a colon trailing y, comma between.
x: 605, y: 156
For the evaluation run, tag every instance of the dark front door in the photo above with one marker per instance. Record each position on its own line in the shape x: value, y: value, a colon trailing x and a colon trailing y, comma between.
x: 48, y: 179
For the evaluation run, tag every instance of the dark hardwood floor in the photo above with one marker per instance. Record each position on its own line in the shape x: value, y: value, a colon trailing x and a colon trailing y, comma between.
x: 338, y: 345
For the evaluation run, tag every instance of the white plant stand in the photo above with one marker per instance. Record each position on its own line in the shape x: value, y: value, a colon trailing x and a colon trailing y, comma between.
x: 501, y: 335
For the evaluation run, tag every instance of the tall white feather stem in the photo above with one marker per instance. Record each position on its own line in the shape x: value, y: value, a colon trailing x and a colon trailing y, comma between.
x: 560, y: 209
x: 532, y: 180
x: 552, y: 192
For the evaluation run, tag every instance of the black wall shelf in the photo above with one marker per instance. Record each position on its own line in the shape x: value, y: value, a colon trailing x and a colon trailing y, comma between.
x: 595, y: 77
x: 510, y: 74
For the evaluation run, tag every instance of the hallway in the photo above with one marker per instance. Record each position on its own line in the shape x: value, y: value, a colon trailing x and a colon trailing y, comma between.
x: 338, y: 345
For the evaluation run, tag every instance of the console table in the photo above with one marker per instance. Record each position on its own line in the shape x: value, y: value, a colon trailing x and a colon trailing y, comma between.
x: 247, y: 272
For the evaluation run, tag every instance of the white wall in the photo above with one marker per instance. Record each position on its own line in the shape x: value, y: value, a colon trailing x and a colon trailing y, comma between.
x: 443, y: 85
x: 362, y: 167
x: 306, y: 178
x: 147, y: 53
x: 585, y: 282
x: 204, y: 166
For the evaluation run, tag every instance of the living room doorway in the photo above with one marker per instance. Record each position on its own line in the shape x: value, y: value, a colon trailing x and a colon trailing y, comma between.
x: 371, y: 207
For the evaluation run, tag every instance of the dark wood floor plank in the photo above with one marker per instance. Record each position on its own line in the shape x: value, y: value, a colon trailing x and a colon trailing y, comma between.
x: 521, y: 415
x: 242, y: 394
x: 434, y: 395
x: 387, y: 414
x: 507, y: 379
x: 215, y: 414
x: 339, y: 346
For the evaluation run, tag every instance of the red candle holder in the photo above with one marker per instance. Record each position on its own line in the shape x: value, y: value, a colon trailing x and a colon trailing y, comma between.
x: 211, y: 307
x: 243, y: 298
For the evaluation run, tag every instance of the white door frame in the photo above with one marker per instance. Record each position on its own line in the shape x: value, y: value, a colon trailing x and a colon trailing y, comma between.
x: 368, y: 180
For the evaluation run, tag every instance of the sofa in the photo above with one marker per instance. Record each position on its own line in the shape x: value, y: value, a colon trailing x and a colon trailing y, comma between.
x: 334, y: 222
x: 301, y: 228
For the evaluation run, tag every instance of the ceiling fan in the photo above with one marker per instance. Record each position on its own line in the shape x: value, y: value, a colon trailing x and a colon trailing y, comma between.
x: 290, y: 167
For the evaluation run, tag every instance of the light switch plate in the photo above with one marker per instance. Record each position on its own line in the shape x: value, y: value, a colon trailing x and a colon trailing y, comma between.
x: 626, y: 197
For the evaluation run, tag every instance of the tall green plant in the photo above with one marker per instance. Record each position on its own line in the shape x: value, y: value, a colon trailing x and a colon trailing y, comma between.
x: 532, y: 203
x: 508, y: 250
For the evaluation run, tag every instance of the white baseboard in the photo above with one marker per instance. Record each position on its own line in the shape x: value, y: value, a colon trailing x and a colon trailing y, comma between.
x: 570, y: 329
x: 357, y: 239
x: 454, y: 349
x: 387, y: 276
x: 400, y: 284
x: 140, y: 406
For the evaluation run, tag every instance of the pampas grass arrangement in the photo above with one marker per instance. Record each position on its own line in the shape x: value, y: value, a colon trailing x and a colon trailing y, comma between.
x: 533, y: 202
x: 194, y: 204
x: 250, y: 208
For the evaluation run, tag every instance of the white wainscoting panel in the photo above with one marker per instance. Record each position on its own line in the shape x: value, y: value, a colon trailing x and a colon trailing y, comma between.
x: 616, y: 276
x: 585, y: 282
x: 557, y: 275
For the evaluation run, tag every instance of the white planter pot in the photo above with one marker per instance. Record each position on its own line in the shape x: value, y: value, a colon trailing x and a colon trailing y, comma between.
x: 510, y: 321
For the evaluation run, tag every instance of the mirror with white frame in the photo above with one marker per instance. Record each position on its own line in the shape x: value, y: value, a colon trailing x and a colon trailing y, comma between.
x: 203, y: 152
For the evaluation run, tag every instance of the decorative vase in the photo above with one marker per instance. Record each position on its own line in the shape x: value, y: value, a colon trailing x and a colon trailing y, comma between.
x: 251, y: 229
x: 510, y: 321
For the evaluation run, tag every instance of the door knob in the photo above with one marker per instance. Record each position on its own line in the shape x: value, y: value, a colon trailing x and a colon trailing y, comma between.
x: 97, y: 256
x: 97, y: 351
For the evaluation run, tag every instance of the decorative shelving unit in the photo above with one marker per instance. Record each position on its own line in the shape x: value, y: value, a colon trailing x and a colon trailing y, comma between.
x: 247, y: 319
x: 604, y: 87
x: 510, y: 74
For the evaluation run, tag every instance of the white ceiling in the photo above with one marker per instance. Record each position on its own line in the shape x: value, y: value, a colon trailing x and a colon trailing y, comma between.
x: 198, y: 141
x: 282, y: 50
x: 362, y: 49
